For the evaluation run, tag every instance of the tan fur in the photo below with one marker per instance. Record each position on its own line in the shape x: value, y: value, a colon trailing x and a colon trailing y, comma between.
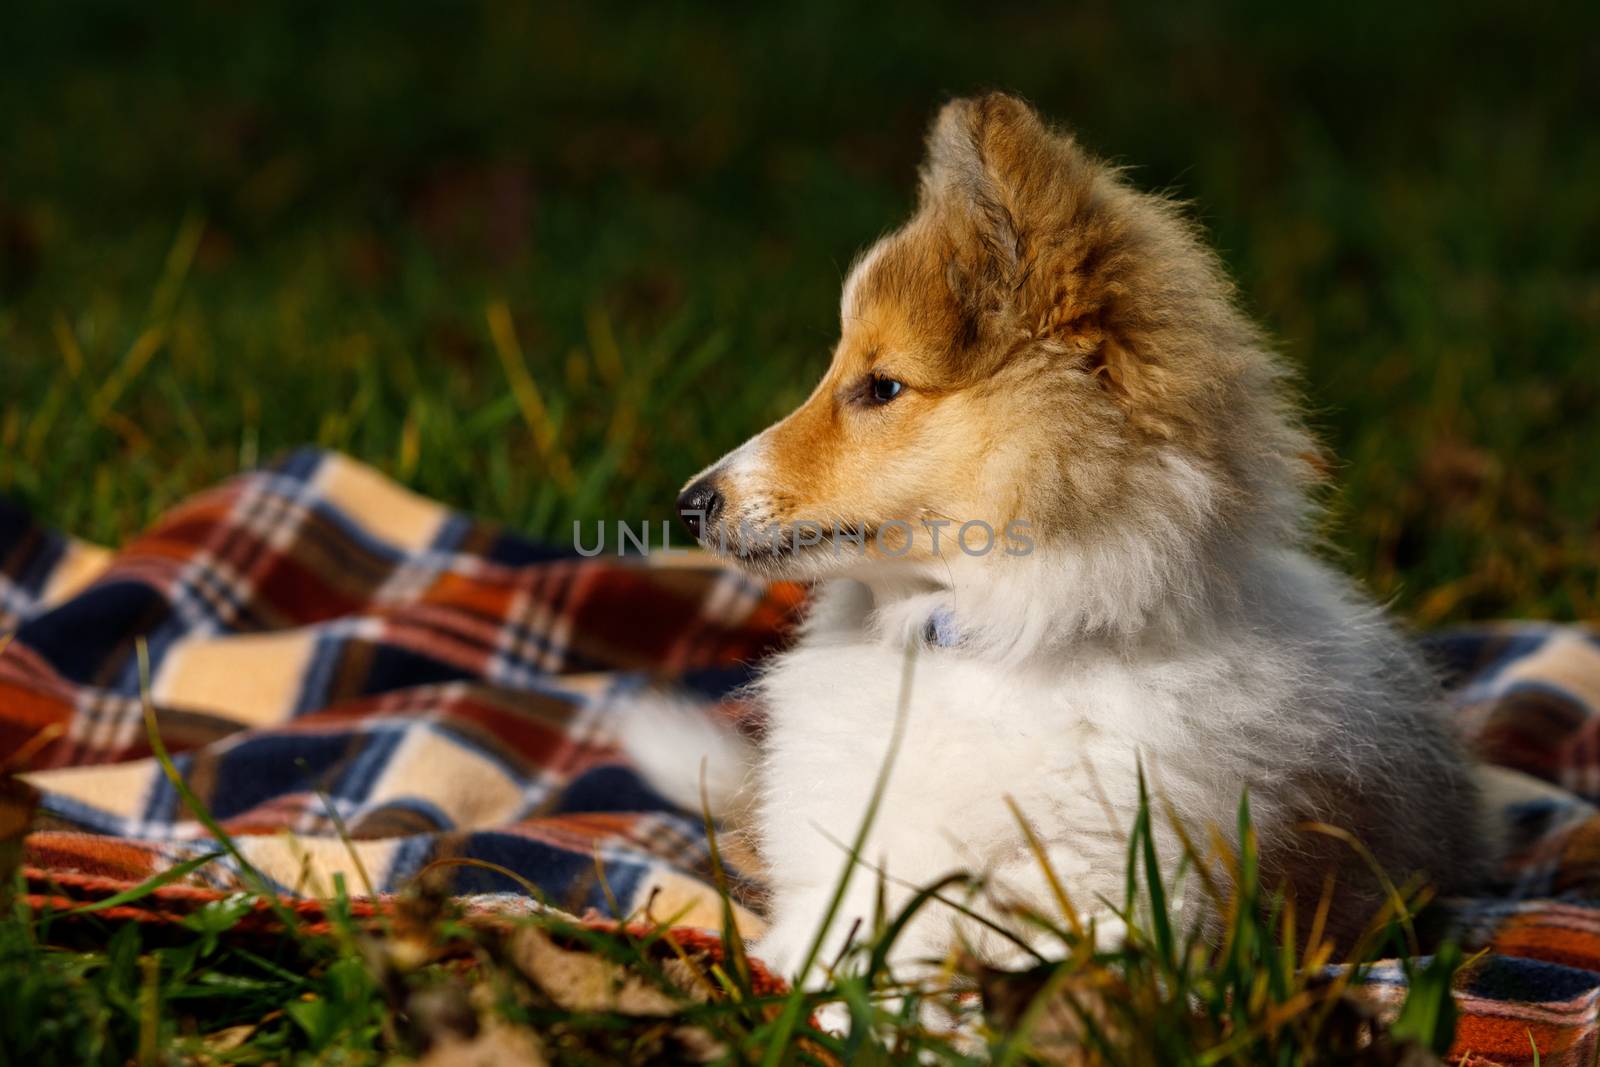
x: 1056, y: 330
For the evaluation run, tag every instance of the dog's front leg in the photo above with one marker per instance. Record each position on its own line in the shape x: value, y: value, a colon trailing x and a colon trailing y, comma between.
x: 800, y: 908
x: 798, y: 913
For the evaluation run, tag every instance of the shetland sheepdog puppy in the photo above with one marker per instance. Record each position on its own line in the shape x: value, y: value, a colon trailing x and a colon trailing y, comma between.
x: 1045, y: 353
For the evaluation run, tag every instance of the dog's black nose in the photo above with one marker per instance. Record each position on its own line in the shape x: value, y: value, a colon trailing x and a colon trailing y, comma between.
x: 698, y: 505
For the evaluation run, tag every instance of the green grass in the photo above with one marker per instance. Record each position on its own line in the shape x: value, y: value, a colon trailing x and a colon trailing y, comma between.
x: 84, y: 992
x: 227, y: 234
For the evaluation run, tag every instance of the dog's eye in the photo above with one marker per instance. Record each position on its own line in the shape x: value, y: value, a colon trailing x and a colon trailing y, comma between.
x: 883, y: 389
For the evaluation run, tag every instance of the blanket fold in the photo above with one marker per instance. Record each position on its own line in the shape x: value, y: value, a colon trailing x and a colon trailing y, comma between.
x: 324, y: 643
x: 326, y: 647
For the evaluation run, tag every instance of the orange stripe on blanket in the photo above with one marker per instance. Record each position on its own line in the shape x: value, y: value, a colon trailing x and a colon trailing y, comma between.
x: 1511, y: 1040
x: 488, y: 599
x: 1530, y: 938
x: 26, y: 713
x: 63, y: 853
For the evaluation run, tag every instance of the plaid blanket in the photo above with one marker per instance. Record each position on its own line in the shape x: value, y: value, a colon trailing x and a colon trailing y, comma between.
x: 327, y: 649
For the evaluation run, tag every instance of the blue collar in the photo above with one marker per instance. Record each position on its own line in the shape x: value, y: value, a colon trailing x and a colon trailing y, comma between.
x: 940, y: 630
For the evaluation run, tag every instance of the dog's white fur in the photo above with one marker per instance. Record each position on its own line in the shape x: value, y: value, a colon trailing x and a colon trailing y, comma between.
x: 1219, y: 663
x: 1303, y: 686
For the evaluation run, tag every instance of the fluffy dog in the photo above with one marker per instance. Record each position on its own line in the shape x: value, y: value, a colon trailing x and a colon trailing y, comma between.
x: 1047, y: 354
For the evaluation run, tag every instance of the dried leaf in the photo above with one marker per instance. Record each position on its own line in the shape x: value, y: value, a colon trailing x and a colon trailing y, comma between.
x: 1057, y: 1032
x: 581, y: 981
x: 497, y: 1045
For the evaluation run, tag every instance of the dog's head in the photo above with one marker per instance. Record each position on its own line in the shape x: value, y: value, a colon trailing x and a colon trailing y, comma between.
x: 1041, y: 351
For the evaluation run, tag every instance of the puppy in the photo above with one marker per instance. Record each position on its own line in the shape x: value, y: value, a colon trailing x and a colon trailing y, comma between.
x: 1048, y: 355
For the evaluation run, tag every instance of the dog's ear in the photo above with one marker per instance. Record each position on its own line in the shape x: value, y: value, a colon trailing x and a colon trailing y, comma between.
x: 1031, y: 236
x: 1003, y: 182
x: 975, y: 155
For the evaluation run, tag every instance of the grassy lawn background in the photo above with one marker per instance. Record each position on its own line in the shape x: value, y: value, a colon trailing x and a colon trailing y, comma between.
x: 229, y: 229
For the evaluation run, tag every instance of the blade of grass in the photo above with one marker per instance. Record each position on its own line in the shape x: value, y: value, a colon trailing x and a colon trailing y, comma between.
x: 531, y: 402
x: 1042, y: 858
x: 733, y: 945
x: 1389, y: 889
x: 1319, y: 923
x: 339, y: 828
x: 134, y: 361
x: 891, y: 933
x: 149, y: 1011
x: 956, y: 906
x: 19, y: 760
x: 1191, y: 850
x: 175, y: 271
x: 1428, y: 1015
x: 150, y: 885
x: 605, y: 887
x: 1154, y: 886
x: 505, y: 872
x: 202, y: 814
